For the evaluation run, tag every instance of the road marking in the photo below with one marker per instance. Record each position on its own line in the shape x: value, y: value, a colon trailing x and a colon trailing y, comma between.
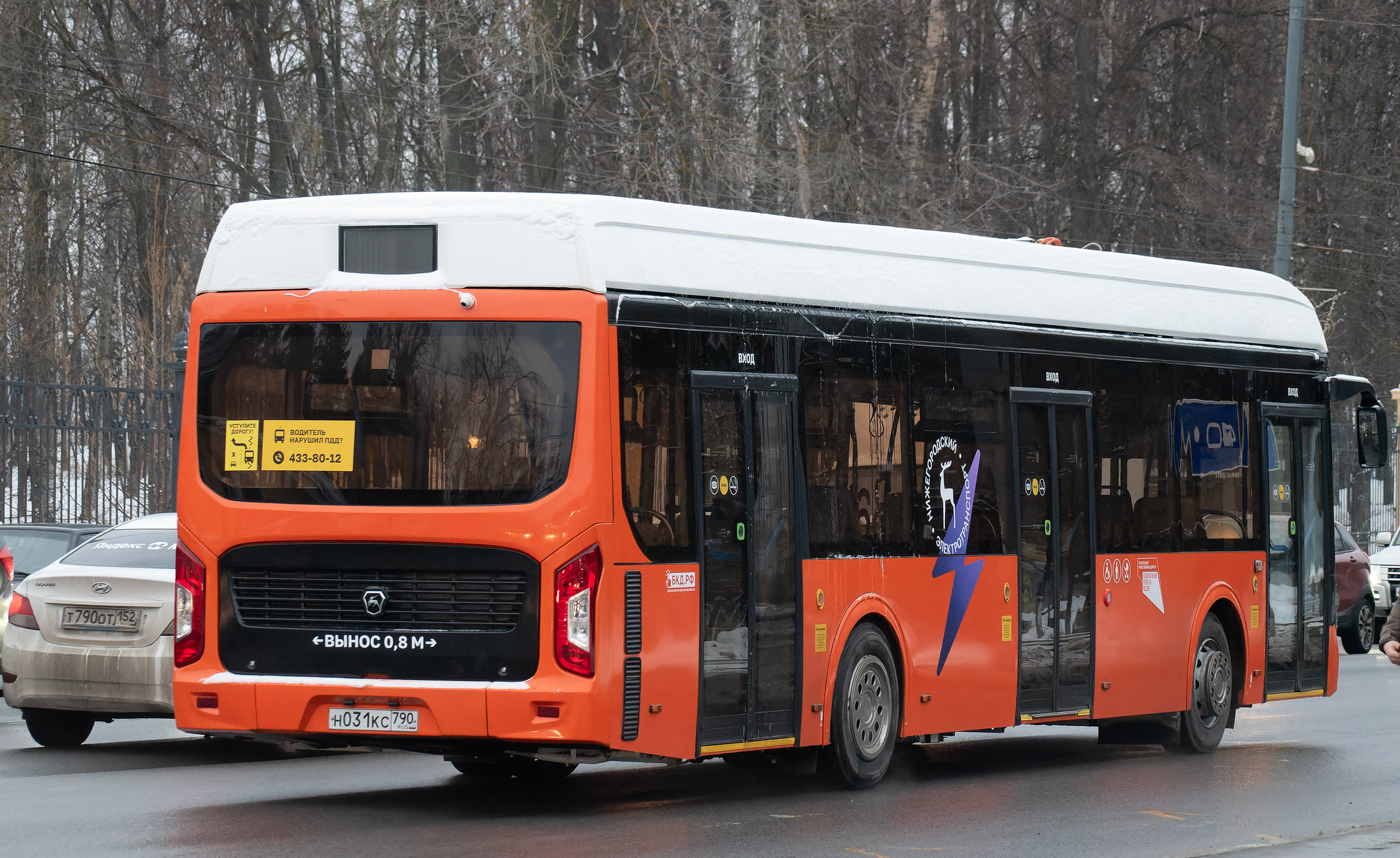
x: 863, y: 852
x: 1176, y: 814
x: 783, y: 816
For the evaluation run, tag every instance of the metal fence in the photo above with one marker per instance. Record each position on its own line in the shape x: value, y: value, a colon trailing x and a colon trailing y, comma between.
x: 73, y: 453
x: 1364, y: 499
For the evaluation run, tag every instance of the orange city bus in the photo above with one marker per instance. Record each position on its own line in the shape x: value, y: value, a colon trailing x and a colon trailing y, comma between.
x: 533, y: 480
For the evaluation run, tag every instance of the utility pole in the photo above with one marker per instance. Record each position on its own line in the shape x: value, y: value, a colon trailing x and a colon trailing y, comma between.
x: 1288, y: 159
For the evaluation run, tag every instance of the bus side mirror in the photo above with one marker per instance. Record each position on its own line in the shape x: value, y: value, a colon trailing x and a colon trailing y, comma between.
x: 1372, y: 436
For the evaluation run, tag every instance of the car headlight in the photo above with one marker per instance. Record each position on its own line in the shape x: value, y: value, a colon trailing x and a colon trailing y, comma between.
x: 1379, y: 575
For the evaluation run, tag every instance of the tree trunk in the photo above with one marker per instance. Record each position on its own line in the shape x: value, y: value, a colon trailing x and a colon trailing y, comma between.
x: 456, y: 32
x: 557, y: 45
x: 254, y: 21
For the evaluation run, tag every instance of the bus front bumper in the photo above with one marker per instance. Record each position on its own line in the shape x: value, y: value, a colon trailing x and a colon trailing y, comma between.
x: 552, y: 710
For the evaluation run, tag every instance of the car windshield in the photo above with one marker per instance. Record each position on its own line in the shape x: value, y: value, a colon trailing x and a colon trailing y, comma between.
x: 34, y: 549
x: 141, y: 549
x: 387, y: 413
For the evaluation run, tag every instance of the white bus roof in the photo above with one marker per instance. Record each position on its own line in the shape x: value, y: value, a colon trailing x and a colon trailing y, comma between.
x: 598, y: 243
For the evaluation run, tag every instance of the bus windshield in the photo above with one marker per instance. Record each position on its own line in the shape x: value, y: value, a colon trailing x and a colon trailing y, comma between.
x: 387, y: 413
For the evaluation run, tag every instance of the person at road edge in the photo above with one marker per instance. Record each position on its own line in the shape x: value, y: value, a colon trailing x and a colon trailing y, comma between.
x: 1390, y: 635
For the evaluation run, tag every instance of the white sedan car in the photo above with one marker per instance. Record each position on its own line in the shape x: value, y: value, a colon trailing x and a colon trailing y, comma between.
x: 91, y: 635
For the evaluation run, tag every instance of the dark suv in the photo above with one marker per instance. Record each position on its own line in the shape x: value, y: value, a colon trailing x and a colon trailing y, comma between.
x: 1356, y: 610
x: 35, y: 546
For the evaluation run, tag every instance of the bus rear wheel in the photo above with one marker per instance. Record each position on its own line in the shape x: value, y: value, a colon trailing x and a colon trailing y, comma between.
x: 865, y: 711
x: 1212, y: 690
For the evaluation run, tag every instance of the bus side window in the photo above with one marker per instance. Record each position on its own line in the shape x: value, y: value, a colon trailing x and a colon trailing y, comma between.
x: 855, y: 429
x: 1137, y: 507
x: 1211, y: 438
x: 655, y: 475
x: 961, y: 414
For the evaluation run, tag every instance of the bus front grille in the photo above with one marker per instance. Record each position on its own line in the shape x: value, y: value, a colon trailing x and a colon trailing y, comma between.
x: 378, y: 600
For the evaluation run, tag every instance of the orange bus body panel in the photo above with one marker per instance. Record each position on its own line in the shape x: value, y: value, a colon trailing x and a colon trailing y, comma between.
x: 1334, y: 655
x: 670, y: 624
x: 977, y: 686
x: 1144, y: 652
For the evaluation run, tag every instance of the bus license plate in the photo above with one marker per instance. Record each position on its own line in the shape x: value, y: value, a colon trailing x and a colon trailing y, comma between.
x: 101, y: 619
x: 374, y: 720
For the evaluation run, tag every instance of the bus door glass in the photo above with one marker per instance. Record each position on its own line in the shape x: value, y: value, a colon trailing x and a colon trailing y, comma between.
x: 1054, y: 473
x: 1298, y: 551
x: 746, y: 455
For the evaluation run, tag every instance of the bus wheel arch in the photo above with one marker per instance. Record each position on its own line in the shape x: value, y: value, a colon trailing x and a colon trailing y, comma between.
x: 1220, y: 601
x: 1233, y: 623
x: 873, y: 610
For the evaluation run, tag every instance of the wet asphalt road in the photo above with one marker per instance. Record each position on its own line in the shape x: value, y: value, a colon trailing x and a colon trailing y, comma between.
x: 1306, y: 777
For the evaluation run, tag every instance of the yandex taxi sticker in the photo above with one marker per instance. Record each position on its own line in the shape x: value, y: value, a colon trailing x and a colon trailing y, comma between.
x: 241, y: 445
x: 308, y: 445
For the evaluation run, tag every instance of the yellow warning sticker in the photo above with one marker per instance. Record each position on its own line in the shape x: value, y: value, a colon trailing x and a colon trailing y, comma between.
x: 1006, y: 628
x: 308, y: 445
x: 1254, y: 616
x: 821, y: 638
x: 241, y: 445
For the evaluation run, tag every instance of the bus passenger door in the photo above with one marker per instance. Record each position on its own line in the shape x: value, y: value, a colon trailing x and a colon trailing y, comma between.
x: 1055, y: 511
x: 746, y: 451
x: 1299, y: 548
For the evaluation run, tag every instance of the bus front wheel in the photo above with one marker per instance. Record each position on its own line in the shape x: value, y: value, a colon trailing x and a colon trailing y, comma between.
x: 865, y: 714
x: 1212, y: 690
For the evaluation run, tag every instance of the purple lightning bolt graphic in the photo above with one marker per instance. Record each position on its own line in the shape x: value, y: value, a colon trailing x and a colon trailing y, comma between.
x: 952, y: 558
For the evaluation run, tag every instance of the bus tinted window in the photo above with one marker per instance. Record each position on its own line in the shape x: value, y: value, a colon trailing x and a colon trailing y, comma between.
x: 1138, y: 506
x: 387, y: 413
x: 1174, y: 460
x: 961, y: 416
x: 655, y: 460
x: 855, y: 416
x: 1211, y: 436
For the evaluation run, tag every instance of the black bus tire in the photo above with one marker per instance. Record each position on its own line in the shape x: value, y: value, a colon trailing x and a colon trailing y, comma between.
x: 1212, y: 690
x: 865, y: 708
